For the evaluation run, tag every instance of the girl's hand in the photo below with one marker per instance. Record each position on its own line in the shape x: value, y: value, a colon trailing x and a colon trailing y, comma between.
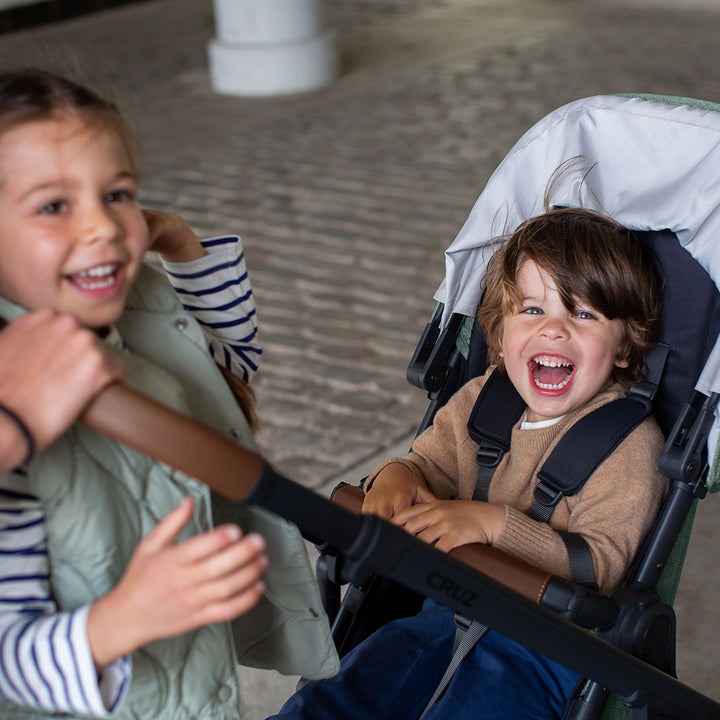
x: 172, y: 237
x: 447, y: 524
x: 170, y: 588
x: 394, y: 488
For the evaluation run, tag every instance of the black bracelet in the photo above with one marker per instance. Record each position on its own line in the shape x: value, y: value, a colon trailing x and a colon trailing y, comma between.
x: 23, y: 429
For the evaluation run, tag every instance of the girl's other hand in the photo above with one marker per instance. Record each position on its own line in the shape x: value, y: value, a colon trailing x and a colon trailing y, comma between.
x: 171, y: 237
x: 170, y: 588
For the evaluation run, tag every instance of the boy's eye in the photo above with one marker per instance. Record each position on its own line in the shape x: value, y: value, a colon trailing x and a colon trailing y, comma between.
x: 532, y: 311
x: 585, y: 315
x: 54, y: 208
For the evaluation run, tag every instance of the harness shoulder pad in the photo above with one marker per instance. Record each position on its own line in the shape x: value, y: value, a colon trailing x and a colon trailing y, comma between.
x: 496, y: 410
x: 582, y: 449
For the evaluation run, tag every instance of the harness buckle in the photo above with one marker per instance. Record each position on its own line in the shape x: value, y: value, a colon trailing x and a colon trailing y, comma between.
x: 489, y: 455
x: 547, y: 495
x: 462, y: 623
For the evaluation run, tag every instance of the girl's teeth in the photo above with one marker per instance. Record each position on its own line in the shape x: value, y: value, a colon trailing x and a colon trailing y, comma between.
x: 98, y: 271
x: 99, y: 284
x: 97, y: 278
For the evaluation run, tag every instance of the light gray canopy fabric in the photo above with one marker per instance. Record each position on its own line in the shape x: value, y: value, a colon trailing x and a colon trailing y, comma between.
x: 650, y: 163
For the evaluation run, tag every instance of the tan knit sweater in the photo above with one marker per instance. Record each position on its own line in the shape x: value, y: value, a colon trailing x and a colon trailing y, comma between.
x: 613, y: 511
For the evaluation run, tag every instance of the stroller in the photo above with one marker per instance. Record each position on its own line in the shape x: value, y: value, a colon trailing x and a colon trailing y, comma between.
x: 641, y: 149
x: 636, y: 151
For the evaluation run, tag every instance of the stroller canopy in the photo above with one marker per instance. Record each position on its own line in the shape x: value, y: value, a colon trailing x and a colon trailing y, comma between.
x: 650, y: 163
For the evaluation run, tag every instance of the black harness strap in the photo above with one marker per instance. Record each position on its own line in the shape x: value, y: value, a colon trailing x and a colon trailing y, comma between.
x: 582, y: 569
x: 582, y: 449
x: 497, y: 409
x: 468, y: 635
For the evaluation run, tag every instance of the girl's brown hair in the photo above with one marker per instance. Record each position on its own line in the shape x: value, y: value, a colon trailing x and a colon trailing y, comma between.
x: 35, y: 95
x: 590, y: 258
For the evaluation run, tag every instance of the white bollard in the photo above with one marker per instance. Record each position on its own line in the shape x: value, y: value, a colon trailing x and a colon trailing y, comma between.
x: 271, y: 47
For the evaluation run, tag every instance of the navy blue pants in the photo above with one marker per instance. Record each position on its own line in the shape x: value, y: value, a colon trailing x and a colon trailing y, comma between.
x: 392, y: 675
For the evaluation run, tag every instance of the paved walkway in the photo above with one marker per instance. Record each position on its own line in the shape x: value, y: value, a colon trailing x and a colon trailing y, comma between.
x: 347, y: 197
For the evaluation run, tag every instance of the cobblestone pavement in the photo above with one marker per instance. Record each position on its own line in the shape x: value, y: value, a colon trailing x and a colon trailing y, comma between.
x: 347, y: 197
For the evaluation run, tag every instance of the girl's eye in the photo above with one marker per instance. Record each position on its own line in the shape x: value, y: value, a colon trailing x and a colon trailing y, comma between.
x: 532, y: 311
x: 56, y: 207
x: 584, y: 315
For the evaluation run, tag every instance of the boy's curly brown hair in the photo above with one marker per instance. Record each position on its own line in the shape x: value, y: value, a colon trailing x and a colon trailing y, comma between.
x: 591, y: 258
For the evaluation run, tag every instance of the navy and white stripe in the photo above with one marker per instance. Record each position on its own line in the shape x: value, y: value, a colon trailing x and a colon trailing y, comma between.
x: 217, y: 291
x: 45, y: 657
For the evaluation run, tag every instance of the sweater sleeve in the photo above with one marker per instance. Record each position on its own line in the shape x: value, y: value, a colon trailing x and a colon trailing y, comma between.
x: 440, y: 454
x: 612, y: 513
x: 216, y: 290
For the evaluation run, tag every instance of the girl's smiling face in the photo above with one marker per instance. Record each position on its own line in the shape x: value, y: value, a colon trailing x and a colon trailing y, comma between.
x: 72, y: 235
x: 557, y: 359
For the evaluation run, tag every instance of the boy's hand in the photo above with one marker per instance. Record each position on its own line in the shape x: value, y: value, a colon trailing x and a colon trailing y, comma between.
x: 172, y: 237
x: 170, y: 588
x: 394, y: 488
x: 447, y: 524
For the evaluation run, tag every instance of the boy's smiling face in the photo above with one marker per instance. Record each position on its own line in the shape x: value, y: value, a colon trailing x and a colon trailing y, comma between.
x: 557, y: 360
x: 72, y: 236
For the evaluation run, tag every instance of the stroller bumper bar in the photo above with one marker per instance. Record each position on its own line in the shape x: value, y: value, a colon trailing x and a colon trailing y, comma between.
x: 377, y: 546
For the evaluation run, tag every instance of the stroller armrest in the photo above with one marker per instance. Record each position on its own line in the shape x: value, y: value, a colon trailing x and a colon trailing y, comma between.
x: 526, y: 580
x: 577, y: 603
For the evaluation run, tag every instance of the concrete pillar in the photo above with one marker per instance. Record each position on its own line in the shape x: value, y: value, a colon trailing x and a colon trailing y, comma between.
x: 271, y: 47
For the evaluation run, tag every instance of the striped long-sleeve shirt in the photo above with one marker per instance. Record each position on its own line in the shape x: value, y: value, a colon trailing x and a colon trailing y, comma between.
x: 45, y: 657
x: 217, y: 291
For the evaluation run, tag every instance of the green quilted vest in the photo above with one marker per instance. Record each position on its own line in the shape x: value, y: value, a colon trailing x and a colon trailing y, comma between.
x: 101, y: 498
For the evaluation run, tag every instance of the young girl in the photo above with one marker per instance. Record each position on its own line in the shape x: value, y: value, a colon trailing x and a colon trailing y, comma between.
x: 570, y: 309
x: 115, y: 591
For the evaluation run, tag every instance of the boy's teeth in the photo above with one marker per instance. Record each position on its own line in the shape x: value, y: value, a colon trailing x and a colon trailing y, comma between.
x: 552, y: 378
x: 552, y: 362
x: 552, y: 386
